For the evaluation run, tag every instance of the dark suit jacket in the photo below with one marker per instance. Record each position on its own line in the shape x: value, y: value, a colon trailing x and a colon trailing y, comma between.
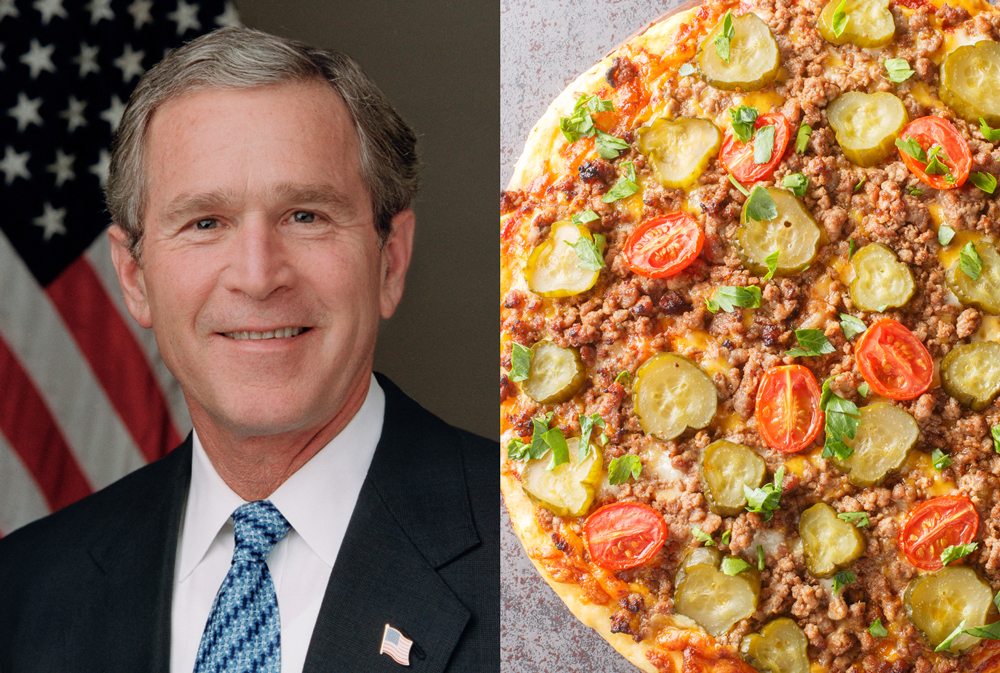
x: 89, y: 587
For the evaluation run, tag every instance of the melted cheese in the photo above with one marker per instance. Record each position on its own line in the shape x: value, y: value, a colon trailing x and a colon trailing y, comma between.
x: 949, y: 254
x: 764, y: 101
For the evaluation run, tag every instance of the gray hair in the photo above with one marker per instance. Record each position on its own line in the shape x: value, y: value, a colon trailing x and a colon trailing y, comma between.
x: 242, y: 58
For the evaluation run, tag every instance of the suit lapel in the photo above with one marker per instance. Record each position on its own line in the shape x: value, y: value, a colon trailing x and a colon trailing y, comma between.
x: 411, y: 518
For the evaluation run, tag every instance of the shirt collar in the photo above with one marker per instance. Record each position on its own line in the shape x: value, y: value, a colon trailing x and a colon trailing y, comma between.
x: 317, y: 512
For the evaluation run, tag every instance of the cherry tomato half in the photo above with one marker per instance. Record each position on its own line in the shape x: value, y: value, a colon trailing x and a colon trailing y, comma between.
x: 788, y: 413
x: 931, y: 131
x: 624, y: 535
x: 933, y: 526
x: 893, y: 361
x: 737, y: 156
x: 664, y: 246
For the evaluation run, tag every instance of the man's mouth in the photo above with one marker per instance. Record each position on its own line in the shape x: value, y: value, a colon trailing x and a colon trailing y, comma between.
x: 281, y: 333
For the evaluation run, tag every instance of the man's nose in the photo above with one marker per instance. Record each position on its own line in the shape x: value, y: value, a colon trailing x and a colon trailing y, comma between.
x: 259, y: 263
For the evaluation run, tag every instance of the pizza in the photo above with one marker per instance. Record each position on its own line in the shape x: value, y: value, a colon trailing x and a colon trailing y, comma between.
x: 750, y: 345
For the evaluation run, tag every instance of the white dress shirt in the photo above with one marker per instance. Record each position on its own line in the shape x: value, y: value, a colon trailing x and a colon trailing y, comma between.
x: 317, y: 501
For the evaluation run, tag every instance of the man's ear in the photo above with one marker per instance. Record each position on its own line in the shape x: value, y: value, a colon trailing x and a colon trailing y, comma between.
x: 395, y: 261
x: 129, y: 277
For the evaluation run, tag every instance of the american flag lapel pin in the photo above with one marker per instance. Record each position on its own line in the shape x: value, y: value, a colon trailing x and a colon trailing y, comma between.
x: 396, y: 645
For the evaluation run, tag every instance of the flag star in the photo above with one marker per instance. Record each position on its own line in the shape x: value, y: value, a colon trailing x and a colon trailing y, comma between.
x: 100, y: 9
x: 113, y: 115
x: 74, y: 114
x: 14, y: 165
x: 186, y: 17
x: 140, y: 12
x: 100, y: 169
x: 229, y: 18
x: 50, y: 8
x: 130, y: 63
x: 63, y: 167
x: 51, y: 221
x: 7, y: 8
x: 87, y: 60
x: 26, y: 111
x: 39, y: 58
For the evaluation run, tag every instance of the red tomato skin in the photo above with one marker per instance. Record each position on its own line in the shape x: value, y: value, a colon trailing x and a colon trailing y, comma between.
x: 664, y: 246
x: 872, y: 354
x: 777, y: 384
x: 930, y: 131
x: 948, y: 520
x: 737, y: 156
x: 624, y: 535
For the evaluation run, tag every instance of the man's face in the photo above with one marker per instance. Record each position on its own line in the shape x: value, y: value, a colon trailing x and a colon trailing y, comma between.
x: 258, y: 224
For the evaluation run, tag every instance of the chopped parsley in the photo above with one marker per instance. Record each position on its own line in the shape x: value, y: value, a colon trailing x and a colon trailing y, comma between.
x: 955, y: 552
x: 913, y: 148
x: 859, y: 519
x: 743, y: 190
x: 723, y: 39
x: 590, y: 252
x: 877, y: 630
x: 812, y: 343
x: 543, y: 439
x: 585, y: 217
x: 727, y: 298
x: 685, y: 70
x: 802, y: 138
x: 861, y: 183
x: 946, y: 643
x: 726, y: 536
x: 992, y: 135
x: 842, y: 421
x: 852, y: 247
x: 760, y: 206
x: 702, y: 537
x: 622, y: 468
x: 940, y: 459
x: 797, y: 182
x: 851, y: 326
x: 772, y: 264
x: 625, y: 186
x: 743, y: 120
x: 863, y: 390
x: 842, y: 579
x: 913, y: 191
x: 936, y: 166
x: 985, y: 181
x: 580, y: 124
x: 608, y: 146
x: 840, y: 19
x: 995, y: 434
x: 623, y: 378
x: 587, y: 425
x: 732, y: 565
x: 945, y: 234
x: 970, y: 262
x: 763, y: 144
x: 765, y: 500
x: 897, y: 69
x: 520, y: 362
x: 760, y: 557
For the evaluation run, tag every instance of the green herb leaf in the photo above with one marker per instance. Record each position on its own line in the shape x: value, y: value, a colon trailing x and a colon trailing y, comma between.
x: 578, y: 125
x: 540, y: 425
x: 560, y: 450
x: 594, y: 103
x: 913, y: 191
x: 797, y: 182
x: 625, y: 186
x: 935, y: 164
x: 520, y: 362
x: 840, y: 18
x: 851, y: 249
x: 772, y: 264
x: 842, y: 421
x: 897, y: 69
x: 940, y: 459
x: 861, y: 182
x: 985, y: 181
x: 760, y: 557
x: 760, y: 206
x: 624, y: 378
x: 587, y: 425
x: 851, y: 326
x: 763, y: 144
x: 802, y: 138
x: 995, y: 434
x: 732, y: 565
x: 877, y: 630
x: 989, y: 631
x: 621, y: 468
x: 946, y: 643
x: 863, y: 390
x: 913, y: 148
x: 727, y: 298
x: 590, y: 252
x: 585, y: 217
x: 842, y: 579
x: 723, y: 39
x: 743, y: 120
x: 954, y: 552
x: 738, y: 186
x: 812, y: 343
x: 726, y: 536
x: 685, y: 70
x: 859, y: 519
x: 970, y: 262
x: 992, y: 135
x: 608, y: 146
x: 517, y: 449
x: 945, y: 234
x: 765, y: 500
x: 702, y: 537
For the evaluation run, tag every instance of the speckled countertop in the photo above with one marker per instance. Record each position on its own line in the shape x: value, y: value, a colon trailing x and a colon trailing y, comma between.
x: 544, y: 45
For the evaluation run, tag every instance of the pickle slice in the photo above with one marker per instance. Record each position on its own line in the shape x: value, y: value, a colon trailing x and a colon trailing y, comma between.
x: 712, y: 598
x: 672, y: 393
x: 794, y: 232
x: 754, y: 59
x: 866, y: 125
x: 971, y: 374
x: 869, y: 23
x: 780, y: 647
x: 554, y: 267
x: 725, y: 468
x: 938, y: 603
x: 881, y: 280
x: 568, y: 489
x: 555, y: 375
x: 985, y: 292
x: 828, y: 543
x: 680, y: 149
x: 886, y: 435
x: 970, y: 82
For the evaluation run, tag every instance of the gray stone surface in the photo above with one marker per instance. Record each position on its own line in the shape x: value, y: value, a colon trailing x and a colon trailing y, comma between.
x: 545, y: 45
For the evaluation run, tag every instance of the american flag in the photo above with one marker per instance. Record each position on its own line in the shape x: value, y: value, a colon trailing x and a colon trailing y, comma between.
x: 84, y: 396
x: 396, y: 645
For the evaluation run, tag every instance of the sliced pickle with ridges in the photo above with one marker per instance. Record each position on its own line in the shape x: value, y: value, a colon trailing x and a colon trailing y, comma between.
x: 881, y: 281
x: 971, y: 374
x: 680, y: 149
x: 794, y: 232
x: 724, y: 469
x: 568, y: 489
x: 554, y: 267
x: 970, y: 82
x: 886, y: 435
x: 671, y: 394
x: 937, y: 603
x: 828, y: 543
x: 555, y: 375
x: 712, y: 598
x: 985, y: 292
x: 754, y: 58
x: 696, y: 557
x: 780, y: 647
x: 869, y: 23
x: 867, y: 125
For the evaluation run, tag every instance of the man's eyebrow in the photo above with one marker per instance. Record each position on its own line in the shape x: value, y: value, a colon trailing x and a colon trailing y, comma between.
x: 188, y: 204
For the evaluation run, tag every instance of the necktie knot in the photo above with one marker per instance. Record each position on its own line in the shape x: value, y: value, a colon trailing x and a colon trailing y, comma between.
x: 258, y: 527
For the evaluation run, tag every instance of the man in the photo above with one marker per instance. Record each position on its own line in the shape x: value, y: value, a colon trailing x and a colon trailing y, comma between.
x: 317, y: 519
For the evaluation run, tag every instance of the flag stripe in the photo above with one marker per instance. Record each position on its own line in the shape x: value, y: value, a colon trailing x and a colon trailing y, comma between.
x: 25, y: 501
x: 35, y: 437
x: 115, y: 358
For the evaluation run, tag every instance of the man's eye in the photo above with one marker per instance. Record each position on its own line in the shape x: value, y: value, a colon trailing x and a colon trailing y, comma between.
x: 205, y: 224
x: 304, y: 217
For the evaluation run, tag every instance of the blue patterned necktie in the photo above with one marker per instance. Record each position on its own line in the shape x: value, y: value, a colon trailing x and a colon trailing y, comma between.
x: 243, y: 633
